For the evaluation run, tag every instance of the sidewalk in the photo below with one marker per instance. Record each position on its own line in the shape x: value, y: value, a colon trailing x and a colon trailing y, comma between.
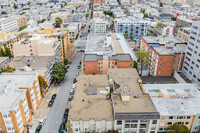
x: 43, y: 109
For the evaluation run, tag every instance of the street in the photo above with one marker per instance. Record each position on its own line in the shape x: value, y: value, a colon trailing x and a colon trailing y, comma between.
x: 56, y: 112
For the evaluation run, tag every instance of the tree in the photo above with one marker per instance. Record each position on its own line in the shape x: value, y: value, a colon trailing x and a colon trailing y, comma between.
x: 29, y: 3
x: 161, y: 4
x: 59, y: 71
x: 23, y: 27
x: 132, y: 38
x: 146, y: 15
x: 58, y: 22
x: 126, y: 35
x: 77, y: 36
x: 7, y: 69
x: 65, y: 3
x: 3, y: 12
x: 50, y: 13
x: 108, y: 13
x: 42, y: 83
x: 65, y: 61
x: 2, y: 53
x: 178, y: 128
x: 15, y: 6
x: 135, y: 64
x: 43, y: 20
x: 112, y: 131
x: 8, y: 53
x: 148, y: 34
x: 143, y: 58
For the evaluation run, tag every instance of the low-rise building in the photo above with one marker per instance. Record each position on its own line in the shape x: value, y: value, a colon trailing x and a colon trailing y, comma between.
x: 8, y: 25
x: 106, y: 51
x: 21, y: 20
x: 131, y: 25
x: 20, y: 97
x: 184, y: 33
x: 164, y: 30
x: 120, y: 102
x: 98, y: 26
x: 166, y: 54
x: 4, y: 61
x: 73, y: 31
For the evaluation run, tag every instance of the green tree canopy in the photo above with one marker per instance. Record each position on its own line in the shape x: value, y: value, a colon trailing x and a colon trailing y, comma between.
x: 146, y: 15
x: 59, y: 71
x: 3, y: 12
x: 143, y: 58
x: 108, y: 13
x: 7, y: 52
x: 135, y: 64
x: 161, y: 4
x: 7, y: 69
x: 15, y: 6
x: 178, y: 128
x: 126, y: 35
x: 132, y: 38
x: 112, y: 131
x: 43, y: 20
x: 65, y: 61
x: 58, y: 22
x: 43, y: 83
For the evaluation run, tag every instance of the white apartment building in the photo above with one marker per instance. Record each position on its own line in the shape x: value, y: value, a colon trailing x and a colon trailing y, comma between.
x: 19, y: 98
x: 191, y: 65
x: 131, y: 25
x: 98, y: 26
x: 8, y: 25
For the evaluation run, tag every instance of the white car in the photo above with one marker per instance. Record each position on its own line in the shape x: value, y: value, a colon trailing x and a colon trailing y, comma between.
x: 77, y: 73
x: 73, y: 86
x: 43, y: 120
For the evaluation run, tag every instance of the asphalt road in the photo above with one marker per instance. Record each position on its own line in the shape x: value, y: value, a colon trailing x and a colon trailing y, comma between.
x: 55, y: 115
x: 85, y: 32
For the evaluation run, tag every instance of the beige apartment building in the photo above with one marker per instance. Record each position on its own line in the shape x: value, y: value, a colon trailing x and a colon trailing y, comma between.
x: 37, y: 45
x: 21, y: 20
x: 119, y: 100
x: 184, y: 33
x: 177, y: 104
x: 20, y: 97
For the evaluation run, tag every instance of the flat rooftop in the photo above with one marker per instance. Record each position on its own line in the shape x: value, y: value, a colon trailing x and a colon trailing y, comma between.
x: 162, y: 40
x: 175, y: 90
x: 128, y: 87
x: 33, y: 62
x: 3, y: 59
x: 85, y: 106
x: 10, y: 97
x: 139, y: 102
x: 95, y: 57
x: 16, y: 80
x: 177, y: 106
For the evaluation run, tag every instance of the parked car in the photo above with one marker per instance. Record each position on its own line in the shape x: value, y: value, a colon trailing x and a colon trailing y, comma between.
x: 43, y: 120
x: 75, y: 80
x: 62, y: 128
x: 66, y: 112
x: 71, y: 92
x: 60, y: 83
x: 70, y: 97
x: 79, y: 67
x: 77, y: 73
x: 80, y: 62
x: 38, y: 129
x: 70, y: 62
x: 73, y: 86
x: 53, y: 97
x: 64, y: 120
x: 51, y: 103
x: 67, y: 67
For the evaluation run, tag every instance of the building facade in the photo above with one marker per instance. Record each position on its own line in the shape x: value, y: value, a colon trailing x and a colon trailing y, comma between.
x: 192, y: 59
x: 20, y: 98
x: 132, y: 26
x: 184, y: 33
x: 8, y: 25
x: 98, y: 26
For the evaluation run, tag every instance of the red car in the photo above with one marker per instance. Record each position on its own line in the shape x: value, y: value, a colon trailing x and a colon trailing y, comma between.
x: 75, y: 80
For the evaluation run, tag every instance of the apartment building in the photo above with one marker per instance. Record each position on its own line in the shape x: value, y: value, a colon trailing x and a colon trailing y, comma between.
x: 192, y: 58
x: 4, y: 61
x: 37, y: 45
x: 98, y: 26
x: 184, y: 33
x: 177, y: 104
x: 183, y: 21
x: 131, y: 25
x: 8, y: 39
x: 99, y: 2
x: 164, y: 29
x: 19, y: 98
x: 8, y: 25
x: 127, y: 109
x: 133, y: 110
x: 62, y: 34
x: 104, y: 51
x: 166, y: 54
x: 21, y: 20
x: 73, y: 31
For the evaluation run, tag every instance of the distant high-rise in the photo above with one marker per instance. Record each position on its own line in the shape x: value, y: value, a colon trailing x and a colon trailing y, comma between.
x: 192, y: 59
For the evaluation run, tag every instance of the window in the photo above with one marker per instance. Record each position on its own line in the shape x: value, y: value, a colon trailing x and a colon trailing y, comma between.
x: 127, y: 125
x: 76, y: 129
x: 133, y: 125
x: 119, y: 122
x: 143, y: 120
x: 134, y: 120
x: 160, y: 129
x: 154, y: 122
x: 186, y: 123
x: 142, y: 125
